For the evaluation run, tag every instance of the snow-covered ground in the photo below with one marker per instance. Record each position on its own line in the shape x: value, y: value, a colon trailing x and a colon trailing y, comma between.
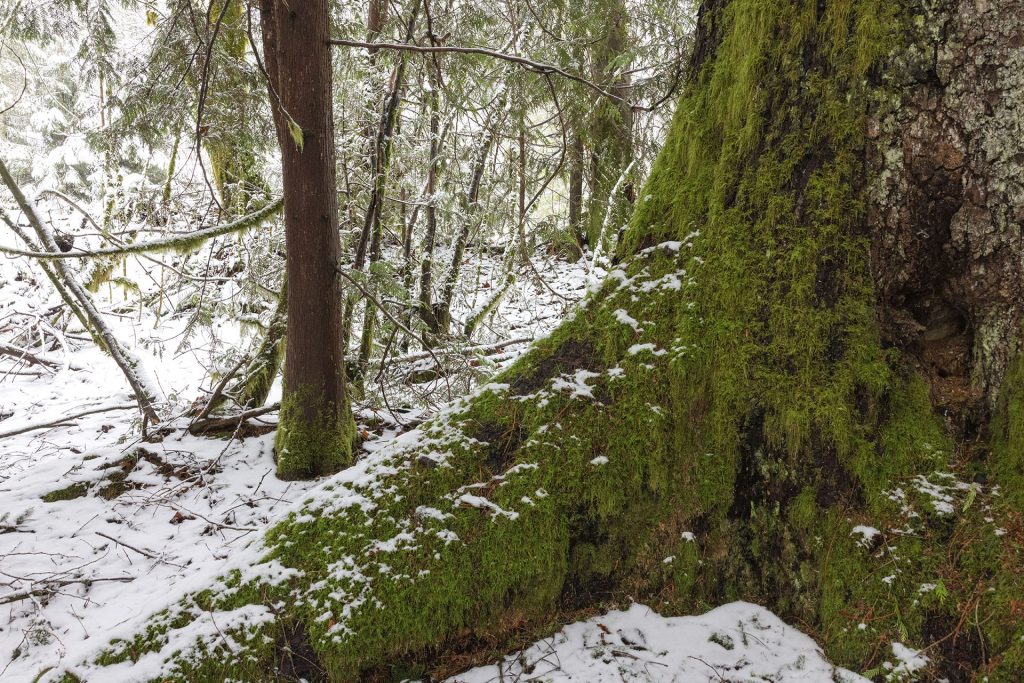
x: 735, y: 642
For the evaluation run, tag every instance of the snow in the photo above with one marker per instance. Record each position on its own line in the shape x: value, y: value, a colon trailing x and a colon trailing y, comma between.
x: 576, y: 383
x: 485, y: 504
x: 735, y: 642
x: 867, y: 534
x: 645, y: 348
x: 623, y: 317
x: 909, y: 662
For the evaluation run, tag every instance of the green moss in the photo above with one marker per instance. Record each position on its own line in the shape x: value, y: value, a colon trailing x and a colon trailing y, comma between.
x: 77, y: 490
x: 312, y: 442
x: 1008, y: 436
x: 253, y: 385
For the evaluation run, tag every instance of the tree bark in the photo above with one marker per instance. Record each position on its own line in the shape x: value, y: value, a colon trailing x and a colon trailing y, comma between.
x: 316, y: 429
x: 610, y: 129
x: 470, y: 204
x: 426, y: 298
x: 744, y: 410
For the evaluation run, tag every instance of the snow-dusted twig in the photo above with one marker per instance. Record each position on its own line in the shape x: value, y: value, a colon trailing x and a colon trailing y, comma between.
x: 528, y: 64
x: 33, y: 358
x: 485, y: 349
x: 201, y: 426
x: 140, y: 551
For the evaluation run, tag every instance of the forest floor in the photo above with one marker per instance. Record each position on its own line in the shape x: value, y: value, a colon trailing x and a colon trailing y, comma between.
x: 99, y: 528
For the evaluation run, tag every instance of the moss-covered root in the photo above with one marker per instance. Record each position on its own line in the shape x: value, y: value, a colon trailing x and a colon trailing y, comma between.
x: 312, y: 443
x: 573, y: 482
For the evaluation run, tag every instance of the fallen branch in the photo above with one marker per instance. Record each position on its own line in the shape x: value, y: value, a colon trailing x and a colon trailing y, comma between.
x: 210, y: 424
x: 52, y: 588
x: 140, y: 551
x: 485, y: 349
x: 33, y: 358
x: 76, y: 296
x: 62, y: 421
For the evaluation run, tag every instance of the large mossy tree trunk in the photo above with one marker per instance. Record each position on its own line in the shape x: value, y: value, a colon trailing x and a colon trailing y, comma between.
x: 316, y: 428
x: 799, y: 389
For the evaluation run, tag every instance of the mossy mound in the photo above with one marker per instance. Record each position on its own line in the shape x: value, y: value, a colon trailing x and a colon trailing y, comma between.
x: 721, y: 421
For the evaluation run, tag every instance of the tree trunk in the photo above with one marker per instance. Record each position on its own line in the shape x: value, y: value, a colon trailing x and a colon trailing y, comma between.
x: 426, y: 302
x: 609, y: 129
x: 380, y: 163
x: 576, y: 157
x: 316, y: 428
x: 470, y: 204
x: 800, y: 388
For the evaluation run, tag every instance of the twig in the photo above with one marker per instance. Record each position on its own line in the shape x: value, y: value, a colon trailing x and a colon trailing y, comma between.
x: 218, y: 390
x: 140, y: 551
x: 73, y: 204
x: 486, y: 349
x: 538, y: 67
x: 32, y: 358
x: 393, y: 319
x: 24, y: 595
x: 708, y: 666
x: 24, y: 80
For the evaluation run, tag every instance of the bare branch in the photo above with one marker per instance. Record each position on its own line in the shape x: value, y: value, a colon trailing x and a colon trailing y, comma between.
x: 33, y: 358
x: 202, y: 426
x: 53, y: 586
x: 529, y: 64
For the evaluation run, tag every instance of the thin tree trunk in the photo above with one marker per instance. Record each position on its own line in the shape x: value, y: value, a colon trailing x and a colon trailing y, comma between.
x: 408, y: 269
x: 380, y: 161
x: 426, y: 305
x: 316, y: 429
x: 610, y: 128
x: 576, y: 171
x: 470, y: 207
x: 523, y: 248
